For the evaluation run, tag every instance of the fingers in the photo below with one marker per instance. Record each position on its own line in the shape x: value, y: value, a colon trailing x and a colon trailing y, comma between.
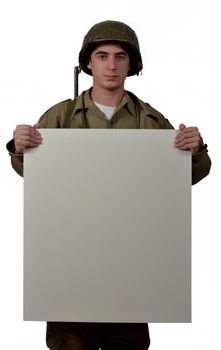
x: 188, y: 138
x: 26, y: 136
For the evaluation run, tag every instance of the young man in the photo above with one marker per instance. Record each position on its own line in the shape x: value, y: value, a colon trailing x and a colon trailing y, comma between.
x: 110, y: 53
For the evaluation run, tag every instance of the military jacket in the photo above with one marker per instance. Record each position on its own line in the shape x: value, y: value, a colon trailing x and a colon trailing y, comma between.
x: 132, y: 113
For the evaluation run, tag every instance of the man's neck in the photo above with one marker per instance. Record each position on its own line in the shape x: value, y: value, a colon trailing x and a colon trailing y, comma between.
x: 107, y: 98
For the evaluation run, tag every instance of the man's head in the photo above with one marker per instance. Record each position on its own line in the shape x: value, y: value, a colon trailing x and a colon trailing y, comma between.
x: 109, y: 64
x: 111, y: 32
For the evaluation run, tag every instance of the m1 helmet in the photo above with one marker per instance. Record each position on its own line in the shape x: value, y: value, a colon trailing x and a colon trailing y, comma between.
x: 111, y: 31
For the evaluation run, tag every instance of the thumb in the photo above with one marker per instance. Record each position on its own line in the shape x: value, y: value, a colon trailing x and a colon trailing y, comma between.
x: 36, y: 126
x: 182, y: 127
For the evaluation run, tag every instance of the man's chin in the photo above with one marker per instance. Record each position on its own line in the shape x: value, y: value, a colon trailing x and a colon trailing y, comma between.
x: 111, y: 86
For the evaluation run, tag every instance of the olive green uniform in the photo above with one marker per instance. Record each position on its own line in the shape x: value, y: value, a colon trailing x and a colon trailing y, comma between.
x: 132, y: 113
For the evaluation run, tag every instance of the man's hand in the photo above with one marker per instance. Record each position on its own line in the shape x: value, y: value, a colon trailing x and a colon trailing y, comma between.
x: 188, y: 138
x: 26, y: 136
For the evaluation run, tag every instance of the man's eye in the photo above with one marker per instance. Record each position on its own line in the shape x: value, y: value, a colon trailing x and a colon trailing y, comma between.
x: 120, y: 57
x: 102, y: 57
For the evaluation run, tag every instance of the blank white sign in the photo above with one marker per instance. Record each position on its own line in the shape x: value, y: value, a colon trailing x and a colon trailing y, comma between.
x: 107, y: 227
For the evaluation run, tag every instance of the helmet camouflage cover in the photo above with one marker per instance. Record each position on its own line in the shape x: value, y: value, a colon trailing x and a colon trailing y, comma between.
x: 111, y: 31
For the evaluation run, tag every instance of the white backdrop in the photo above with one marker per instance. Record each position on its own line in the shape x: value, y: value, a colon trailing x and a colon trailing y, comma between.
x: 180, y: 44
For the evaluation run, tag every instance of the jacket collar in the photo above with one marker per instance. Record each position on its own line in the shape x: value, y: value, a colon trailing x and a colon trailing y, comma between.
x: 84, y: 102
x: 129, y: 101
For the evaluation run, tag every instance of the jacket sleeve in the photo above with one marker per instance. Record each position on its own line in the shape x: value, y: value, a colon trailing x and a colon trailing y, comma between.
x: 201, y: 164
x: 53, y: 118
x: 16, y: 158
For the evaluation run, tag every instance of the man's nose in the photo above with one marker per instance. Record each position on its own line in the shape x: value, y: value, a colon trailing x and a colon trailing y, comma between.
x: 112, y: 62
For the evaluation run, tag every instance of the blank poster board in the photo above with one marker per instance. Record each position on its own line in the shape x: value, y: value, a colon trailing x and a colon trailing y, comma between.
x: 107, y: 227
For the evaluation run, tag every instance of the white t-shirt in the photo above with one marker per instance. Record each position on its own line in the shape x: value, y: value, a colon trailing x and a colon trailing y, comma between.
x: 107, y: 110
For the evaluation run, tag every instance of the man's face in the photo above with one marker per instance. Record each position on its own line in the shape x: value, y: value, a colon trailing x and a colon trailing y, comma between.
x: 109, y: 64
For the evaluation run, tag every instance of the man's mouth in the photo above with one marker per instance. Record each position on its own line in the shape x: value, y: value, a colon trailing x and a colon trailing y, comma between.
x: 110, y: 77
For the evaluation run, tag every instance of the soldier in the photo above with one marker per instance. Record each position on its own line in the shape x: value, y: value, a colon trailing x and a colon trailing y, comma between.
x: 110, y: 53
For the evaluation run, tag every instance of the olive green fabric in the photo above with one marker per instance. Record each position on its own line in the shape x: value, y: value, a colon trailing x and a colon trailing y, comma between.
x: 111, y: 31
x: 132, y: 113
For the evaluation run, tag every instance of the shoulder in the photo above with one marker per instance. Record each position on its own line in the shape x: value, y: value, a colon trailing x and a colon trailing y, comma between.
x: 54, y: 116
x: 58, y: 106
x: 148, y: 109
x: 151, y: 117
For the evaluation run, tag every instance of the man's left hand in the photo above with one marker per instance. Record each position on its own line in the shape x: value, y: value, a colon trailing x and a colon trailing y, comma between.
x: 188, y: 139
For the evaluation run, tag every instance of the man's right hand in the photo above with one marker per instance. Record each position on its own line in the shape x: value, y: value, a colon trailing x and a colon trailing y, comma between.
x: 26, y: 136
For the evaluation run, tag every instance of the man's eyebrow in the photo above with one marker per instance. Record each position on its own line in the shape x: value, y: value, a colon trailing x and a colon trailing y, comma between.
x: 121, y: 53
x: 101, y: 53
x: 107, y: 53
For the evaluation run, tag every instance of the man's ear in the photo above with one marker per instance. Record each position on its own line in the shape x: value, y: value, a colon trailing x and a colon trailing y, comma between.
x: 89, y: 65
